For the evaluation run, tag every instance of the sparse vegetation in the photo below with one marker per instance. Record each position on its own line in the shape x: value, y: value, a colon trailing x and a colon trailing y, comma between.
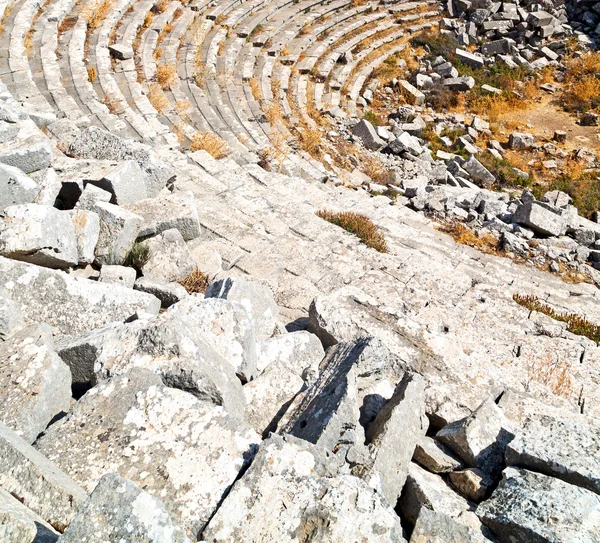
x: 486, y: 243
x: 582, y: 83
x: 157, y: 98
x: 504, y: 172
x: 166, y: 75
x: 371, y: 117
x: 138, y: 257
x: 576, y: 324
x: 584, y: 189
x: 211, y: 143
x: 359, y: 225
x: 195, y: 283
x: 96, y: 13
x: 92, y: 74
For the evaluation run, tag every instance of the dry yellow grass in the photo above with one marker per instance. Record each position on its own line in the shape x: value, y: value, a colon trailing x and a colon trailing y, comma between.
x: 195, y: 283
x: 211, y: 143
x: 166, y: 75
x: 286, y: 51
x: 272, y: 113
x: 255, y: 88
x: 162, y: 5
x: 465, y: 236
x: 148, y: 20
x: 311, y: 141
x: 92, y: 74
x: 359, y: 225
x: 112, y: 104
x: 157, y: 98
x: 96, y: 13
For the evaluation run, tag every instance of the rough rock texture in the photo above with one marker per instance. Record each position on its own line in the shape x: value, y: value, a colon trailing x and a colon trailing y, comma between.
x: 169, y: 258
x: 87, y: 230
x: 124, y: 181
x: 472, y: 483
x: 182, y: 450
x: 20, y: 525
x: 10, y: 315
x: 119, y: 229
x: 434, y: 457
x: 256, y: 298
x: 36, y: 482
x: 289, y: 494
x: 16, y: 187
x: 434, y: 527
x: 38, y: 234
x: 35, y: 384
x: 72, y: 306
x: 295, y: 351
x: 529, y: 506
x: 118, y: 510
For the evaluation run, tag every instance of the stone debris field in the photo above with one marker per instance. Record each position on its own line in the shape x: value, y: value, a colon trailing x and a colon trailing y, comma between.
x: 288, y: 271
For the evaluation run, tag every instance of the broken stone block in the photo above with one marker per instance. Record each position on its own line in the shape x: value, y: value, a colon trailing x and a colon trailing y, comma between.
x: 292, y: 484
x: 169, y: 257
x: 293, y: 350
x: 393, y: 435
x: 541, y: 218
x: 521, y: 506
x: 472, y: 483
x: 463, y: 83
x: 118, y: 510
x: 38, y: 234
x: 560, y: 136
x: 470, y: 59
x: 10, y: 315
x: 478, y: 172
x: 87, y: 230
x: 119, y: 275
x: 518, y: 140
x: 125, y: 181
x: 413, y: 95
x: 557, y: 198
x: 256, y: 298
x: 479, y: 439
x: 435, y: 527
x: 434, y: 457
x: 90, y: 196
x: 367, y: 133
x: 15, y: 187
x: 119, y: 229
x: 186, y: 451
x: 8, y: 131
x: 589, y: 119
x: 21, y: 525
x: 70, y: 305
x: 404, y: 143
x: 539, y: 18
x: 166, y: 211
x: 29, y: 154
x: 168, y: 293
x: 35, y: 384
x: 120, y: 51
x: 36, y: 482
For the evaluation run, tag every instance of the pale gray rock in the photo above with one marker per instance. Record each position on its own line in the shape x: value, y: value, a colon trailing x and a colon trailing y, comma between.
x: 169, y: 346
x: 119, y: 229
x: 290, y: 495
x: 472, y: 483
x: 427, y: 490
x: 393, y: 435
x: 36, y: 482
x: 10, y: 315
x: 124, y: 181
x: 118, y: 510
x: 529, y: 506
x: 565, y: 449
x: 169, y: 259
x: 541, y: 218
x: 166, y: 211
x: 226, y: 326
x: 207, y: 257
x: 168, y: 293
x: 520, y: 407
x: 479, y: 439
x: 463, y: 83
x: 557, y: 198
x: 295, y: 351
x: 435, y: 527
x: 434, y: 457
x: 119, y: 275
x: 413, y: 95
x: 518, y: 140
x: 38, y: 234
x: 90, y: 196
x: 478, y: 172
x: 15, y: 187
x: 185, y: 451
x: 120, y: 51
x: 49, y: 184
x: 28, y: 154
x: 70, y: 305
x: 35, y: 384
x: 87, y: 230
x: 256, y: 298
x: 367, y: 133
x: 8, y: 131
x: 20, y: 525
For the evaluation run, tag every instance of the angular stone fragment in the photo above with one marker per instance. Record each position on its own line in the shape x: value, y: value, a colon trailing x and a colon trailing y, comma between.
x: 479, y: 439
x: 411, y: 93
x: 185, y: 451
x: 434, y: 457
x: 120, y: 51
x: 169, y: 257
x: 173, y: 210
x: 256, y: 298
x: 28, y: 154
x: 541, y: 218
x: 124, y: 181
x: 36, y: 482
x: 118, y: 510
x: 119, y: 229
x: 463, y: 83
x: 565, y: 449
x: 367, y: 133
x: 87, y: 231
x: 168, y: 293
x: 475, y: 61
x: 21, y: 525
x: 70, y: 305
x: 392, y: 437
x: 426, y: 490
x: 478, y: 172
x: 49, y: 185
x: 38, y: 234
x: 16, y: 187
x: 290, y: 495
x: 227, y: 326
x: 10, y: 315
x: 8, y: 131
x: 35, y: 384
x: 529, y: 506
x: 434, y: 527
x: 119, y: 275
x: 519, y: 140
x: 404, y: 143
x: 472, y: 483
x: 92, y: 195
x: 295, y: 351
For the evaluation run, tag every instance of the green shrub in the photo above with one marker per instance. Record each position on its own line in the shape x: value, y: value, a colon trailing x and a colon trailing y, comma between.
x: 138, y: 256
x: 371, y: 117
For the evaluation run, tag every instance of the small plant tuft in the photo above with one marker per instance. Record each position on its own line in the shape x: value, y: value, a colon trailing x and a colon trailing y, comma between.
x: 195, y: 282
x: 138, y: 257
x: 359, y: 225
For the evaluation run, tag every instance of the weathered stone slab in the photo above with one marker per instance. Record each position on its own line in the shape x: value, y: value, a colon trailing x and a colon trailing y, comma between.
x: 472, y: 483
x: 124, y: 181
x: 36, y: 482
x: 38, y: 234
x: 21, y: 525
x: 87, y: 230
x: 119, y: 275
x: 15, y: 187
x: 434, y: 527
x: 121, y: 51
x: 70, y: 305
x: 35, y: 384
x: 168, y: 293
x: 28, y: 154
x: 434, y: 457
x: 118, y: 510
x: 185, y: 451
x: 529, y: 506
x: 367, y: 133
x: 295, y: 351
x: 119, y: 229
x: 290, y: 495
x: 540, y: 218
x: 10, y: 315
x: 169, y: 257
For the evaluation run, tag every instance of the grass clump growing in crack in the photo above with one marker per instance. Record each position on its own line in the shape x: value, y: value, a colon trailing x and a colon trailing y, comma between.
x: 211, y: 143
x: 195, y: 282
x: 462, y: 234
x: 359, y: 225
x: 576, y: 324
x: 138, y: 257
